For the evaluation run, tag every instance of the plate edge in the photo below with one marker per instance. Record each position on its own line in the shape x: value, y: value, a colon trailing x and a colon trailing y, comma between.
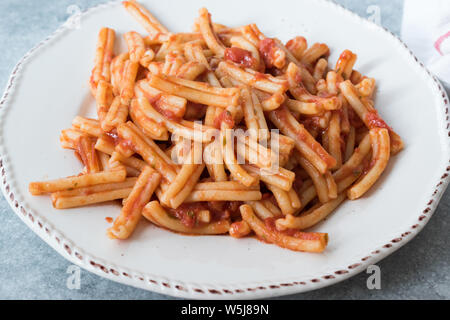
x: 201, y: 291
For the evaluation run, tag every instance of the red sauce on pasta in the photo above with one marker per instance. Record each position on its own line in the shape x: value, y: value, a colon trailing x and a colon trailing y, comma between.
x: 354, y: 119
x: 270, y: 224
x: 303, y: 136
x: 157, y: 103
x: 373, y: 120
x: 292, y: 43
x: 325, y: 94
x: 298, y: 182
x: 93, y: 154
x: 187, y: 213
x: 240, y: 56
x: 267, y: 48
x: 152, y: 99
x: 168, y: 114
x: 219, y: 210
x: 343, y: 60
x: 311, y: 123
x: 368, y: 164
x: 113, y: 137
x: 226, y: 117
x: 260, y: 76
x: 323, y: 154
x: 298, y: 78
x: 125, y: 144
x: 237, y: 229
x: 346, y: 55
x: 87, y: 157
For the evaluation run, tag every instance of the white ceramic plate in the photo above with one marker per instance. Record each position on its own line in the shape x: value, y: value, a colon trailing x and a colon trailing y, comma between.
x: 49, y: 88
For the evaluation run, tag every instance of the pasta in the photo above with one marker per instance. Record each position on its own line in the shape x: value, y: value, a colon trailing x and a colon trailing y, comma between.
x: 224, y: 131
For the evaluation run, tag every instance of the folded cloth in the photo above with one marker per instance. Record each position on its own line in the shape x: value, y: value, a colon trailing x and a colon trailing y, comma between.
x: 426, y: 31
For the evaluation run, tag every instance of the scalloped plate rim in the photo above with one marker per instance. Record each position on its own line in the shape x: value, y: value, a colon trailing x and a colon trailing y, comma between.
x: 178, y: 288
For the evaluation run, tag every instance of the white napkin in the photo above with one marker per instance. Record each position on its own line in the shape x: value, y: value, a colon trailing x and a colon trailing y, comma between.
x: 426, y: 31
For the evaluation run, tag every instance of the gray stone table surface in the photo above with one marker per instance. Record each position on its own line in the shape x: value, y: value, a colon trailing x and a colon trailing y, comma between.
x: 30, y: 269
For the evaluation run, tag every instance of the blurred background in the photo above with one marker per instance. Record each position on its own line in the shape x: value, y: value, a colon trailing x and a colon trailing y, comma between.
x: 30, y: 269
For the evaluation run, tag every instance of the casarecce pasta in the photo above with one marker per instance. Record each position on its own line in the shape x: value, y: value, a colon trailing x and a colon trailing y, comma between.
x: 224, y: 130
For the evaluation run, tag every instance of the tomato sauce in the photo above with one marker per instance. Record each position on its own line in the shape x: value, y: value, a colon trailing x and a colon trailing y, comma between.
x: 126, y: 144
x: 153, y: 99
x: 239, y: 229
x: 343, y: 60
x: 346, y: 55
x: 367, y: 165
x: 298, y: 78
x: 302, y: 136
x: 226, y: 117
x: 270, y: 224
x: 298, y: 182
x: 312, y: 123
x: 330, y: 161
x: 157, y: 103
x: 187, y: 213
x: 93, y: 154
x: 325, y: 95
x: 114, y: 138
x: 291, y: 43
x: 354, y: 119
x: 267, y: 48
x: 168, y: 114
x: 220, y: 210
x: 87, y: 157
x: 240, y: 56
x: 260, y: 76
x: 373, y: 120
x: 280, y: 115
